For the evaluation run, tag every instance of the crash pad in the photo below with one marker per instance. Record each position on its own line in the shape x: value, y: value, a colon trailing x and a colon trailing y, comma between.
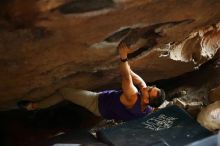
x: 171, y: 126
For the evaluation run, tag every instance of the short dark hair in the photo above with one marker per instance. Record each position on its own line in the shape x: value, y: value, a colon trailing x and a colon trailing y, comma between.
x: 157, y: 101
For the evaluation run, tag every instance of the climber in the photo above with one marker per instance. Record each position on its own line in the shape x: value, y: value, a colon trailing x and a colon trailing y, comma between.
x: 134, y: 100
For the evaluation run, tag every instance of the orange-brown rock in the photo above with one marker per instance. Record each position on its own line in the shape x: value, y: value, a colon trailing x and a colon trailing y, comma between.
x: 209, y: 117
x: 45, y: 45
x: 214, y: 94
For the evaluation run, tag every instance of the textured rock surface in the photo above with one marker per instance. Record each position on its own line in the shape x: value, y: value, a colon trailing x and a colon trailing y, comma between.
x: 45, y: 45
x: 209, y: 117
x: 214, y: 94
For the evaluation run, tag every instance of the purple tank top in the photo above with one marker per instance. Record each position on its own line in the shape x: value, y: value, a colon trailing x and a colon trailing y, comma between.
x: 110, y: 107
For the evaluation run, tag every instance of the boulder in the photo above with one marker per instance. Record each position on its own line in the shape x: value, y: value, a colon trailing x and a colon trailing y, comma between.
x: 209, y: 117
x: 45, y: 45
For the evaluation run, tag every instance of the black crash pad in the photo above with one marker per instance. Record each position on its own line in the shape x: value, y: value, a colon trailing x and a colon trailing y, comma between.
x: 170, y: 126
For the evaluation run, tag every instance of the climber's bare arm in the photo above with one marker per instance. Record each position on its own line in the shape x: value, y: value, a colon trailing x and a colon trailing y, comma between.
x: 129, y: 96
x: 138, y: 80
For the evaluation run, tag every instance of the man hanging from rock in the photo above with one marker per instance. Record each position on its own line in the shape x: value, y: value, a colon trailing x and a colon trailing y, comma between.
x: 134, y: 100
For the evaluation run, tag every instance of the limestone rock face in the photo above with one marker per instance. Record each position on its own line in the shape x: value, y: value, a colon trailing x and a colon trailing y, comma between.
x: 45, y: 45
